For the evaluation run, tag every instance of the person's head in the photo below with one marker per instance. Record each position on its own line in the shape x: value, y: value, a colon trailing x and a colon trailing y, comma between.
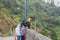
x: 30, y: 19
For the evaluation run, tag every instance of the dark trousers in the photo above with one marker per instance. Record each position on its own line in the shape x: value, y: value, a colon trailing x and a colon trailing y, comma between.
x: 22, y: 37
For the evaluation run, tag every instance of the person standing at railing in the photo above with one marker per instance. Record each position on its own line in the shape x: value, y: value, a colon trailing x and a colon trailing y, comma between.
x: 18, y: 32
x: 27, y: 23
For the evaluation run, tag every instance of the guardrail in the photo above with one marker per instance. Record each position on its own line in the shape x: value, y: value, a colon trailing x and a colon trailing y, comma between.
x: 33, y: 35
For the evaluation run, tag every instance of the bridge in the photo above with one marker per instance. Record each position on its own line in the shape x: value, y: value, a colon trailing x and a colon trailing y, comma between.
x: 30, y: 35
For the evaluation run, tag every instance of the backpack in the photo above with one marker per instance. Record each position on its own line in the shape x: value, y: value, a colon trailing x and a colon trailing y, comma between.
x: 23, y: 30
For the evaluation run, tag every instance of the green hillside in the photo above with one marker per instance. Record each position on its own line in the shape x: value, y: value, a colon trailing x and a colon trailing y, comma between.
x: 46, y: 16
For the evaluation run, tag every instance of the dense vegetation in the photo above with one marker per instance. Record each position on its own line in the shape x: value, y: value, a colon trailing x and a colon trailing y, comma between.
x: 46, y: 16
